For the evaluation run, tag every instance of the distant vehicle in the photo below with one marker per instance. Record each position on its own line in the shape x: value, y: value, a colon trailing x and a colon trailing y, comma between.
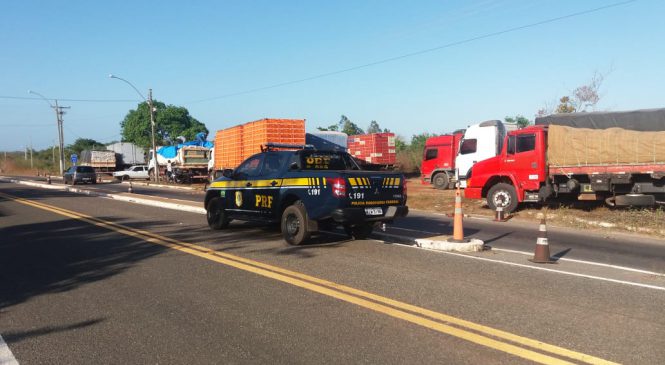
x: 127, y: 154
x: 80, y: 174
x: 305, y: 189
x: 134, y: 172
x: 102, y: 161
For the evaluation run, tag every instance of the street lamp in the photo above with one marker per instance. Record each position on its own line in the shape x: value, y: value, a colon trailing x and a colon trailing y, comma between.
x: 152, y: 120
x: 58, y: 116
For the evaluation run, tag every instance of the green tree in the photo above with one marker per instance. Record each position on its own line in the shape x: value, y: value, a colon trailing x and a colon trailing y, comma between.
x: 374, y: 127
x: 348, y: 127
x: 81, y: 144
x: 520, y: 120
x: 170, y: 122
x: 565, y: 105
x: 333, y: 127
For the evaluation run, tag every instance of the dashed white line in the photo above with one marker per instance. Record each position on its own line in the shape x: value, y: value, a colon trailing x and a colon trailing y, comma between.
x: 6, y: 356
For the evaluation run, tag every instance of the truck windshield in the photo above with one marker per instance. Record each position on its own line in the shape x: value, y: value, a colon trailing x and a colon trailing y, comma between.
x: 327, y: 160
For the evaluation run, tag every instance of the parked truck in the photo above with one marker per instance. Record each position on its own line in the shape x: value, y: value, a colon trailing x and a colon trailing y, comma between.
x: 127, y: 154
x: 101, y: 161
x: 448, y: 159
x: 553, y: 160
x: 189, y: 161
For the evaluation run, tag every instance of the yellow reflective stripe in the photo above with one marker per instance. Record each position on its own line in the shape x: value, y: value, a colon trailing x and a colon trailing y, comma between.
x: 352, y: 181
x: 243, y: 183
x: 397, y: 180
x: 297, y: 181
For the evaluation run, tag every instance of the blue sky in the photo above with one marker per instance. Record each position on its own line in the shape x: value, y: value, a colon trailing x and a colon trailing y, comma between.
x: 195, y: 54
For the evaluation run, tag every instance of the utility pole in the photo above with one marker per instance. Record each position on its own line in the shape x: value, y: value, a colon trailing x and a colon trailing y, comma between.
x: 53, y: 152
x: 59, y: 113
x: 152, y: 123
x: 30, y: 153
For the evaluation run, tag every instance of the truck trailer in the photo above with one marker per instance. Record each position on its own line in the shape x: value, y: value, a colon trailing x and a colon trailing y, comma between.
x: 552, y: 161
x: 101, y: 161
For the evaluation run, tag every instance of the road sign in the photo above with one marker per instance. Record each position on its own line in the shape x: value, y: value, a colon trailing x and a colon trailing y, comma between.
x: 75, y: 158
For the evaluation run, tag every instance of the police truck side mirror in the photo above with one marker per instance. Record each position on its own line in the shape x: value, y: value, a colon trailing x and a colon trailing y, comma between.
x: 227, y: 173
x: 293, y: 166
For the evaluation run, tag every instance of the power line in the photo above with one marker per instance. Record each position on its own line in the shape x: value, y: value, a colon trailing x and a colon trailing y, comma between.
x: 74, y: 100
x: 417, y: 53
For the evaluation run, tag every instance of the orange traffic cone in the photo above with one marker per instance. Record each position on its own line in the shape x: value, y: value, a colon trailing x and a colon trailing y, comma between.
x: 458, y: 226
x: 130, y: 190
x: 542, y: 253
x: 48, y: 179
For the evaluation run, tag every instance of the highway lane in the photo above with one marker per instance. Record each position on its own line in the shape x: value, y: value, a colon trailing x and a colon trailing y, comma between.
x: 627, y: 250
x: 73, y: 292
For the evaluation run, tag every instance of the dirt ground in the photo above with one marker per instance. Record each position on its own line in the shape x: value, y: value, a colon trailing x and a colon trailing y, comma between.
x: 591, y: 216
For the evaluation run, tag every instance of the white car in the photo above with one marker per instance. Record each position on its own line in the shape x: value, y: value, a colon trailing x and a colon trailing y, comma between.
x: 134, y: 172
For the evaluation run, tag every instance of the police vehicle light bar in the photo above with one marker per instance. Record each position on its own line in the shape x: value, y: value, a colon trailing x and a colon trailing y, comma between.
x: 285, y: 146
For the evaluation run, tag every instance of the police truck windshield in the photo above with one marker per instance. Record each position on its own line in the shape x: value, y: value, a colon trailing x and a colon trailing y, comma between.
x: 327, y: 160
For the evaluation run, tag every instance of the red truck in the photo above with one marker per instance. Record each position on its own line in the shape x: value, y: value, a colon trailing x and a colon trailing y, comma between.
x: 547, y: 162
x: 438, y: 164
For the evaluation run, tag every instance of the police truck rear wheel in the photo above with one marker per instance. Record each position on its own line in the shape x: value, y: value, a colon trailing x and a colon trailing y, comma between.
x: 502, y: 195
x: 440, y: 181
x: 216, y: 215
x: 294, y: 224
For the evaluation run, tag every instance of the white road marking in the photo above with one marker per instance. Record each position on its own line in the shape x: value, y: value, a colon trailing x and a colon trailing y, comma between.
x: 6, y: 356
x: 545, y: 269
x: 586, y: 262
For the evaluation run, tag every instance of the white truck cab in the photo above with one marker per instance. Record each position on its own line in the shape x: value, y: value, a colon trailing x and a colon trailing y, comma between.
x: 480, y: 142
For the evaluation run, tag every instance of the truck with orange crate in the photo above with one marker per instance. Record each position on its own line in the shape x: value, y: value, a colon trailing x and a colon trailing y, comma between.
x: 374, y: 150
x: 233, y: 145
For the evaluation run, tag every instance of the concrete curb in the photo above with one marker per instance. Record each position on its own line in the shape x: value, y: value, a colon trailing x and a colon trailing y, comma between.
x: 444, y: 244
x: 130, y: 199
x: 161, y: 185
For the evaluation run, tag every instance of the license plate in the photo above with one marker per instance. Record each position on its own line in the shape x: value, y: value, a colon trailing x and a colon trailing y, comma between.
x: 373, y: 211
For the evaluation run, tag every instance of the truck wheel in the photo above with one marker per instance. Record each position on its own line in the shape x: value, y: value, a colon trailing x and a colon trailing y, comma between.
x: 502, y: 195
x: 294, y: 224
x: 359, y: 232
x: 216, y: 215
x: 440, y: 180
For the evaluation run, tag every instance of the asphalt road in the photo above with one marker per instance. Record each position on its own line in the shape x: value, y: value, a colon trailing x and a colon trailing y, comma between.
x: 113, y: 282
x: 632, y: 251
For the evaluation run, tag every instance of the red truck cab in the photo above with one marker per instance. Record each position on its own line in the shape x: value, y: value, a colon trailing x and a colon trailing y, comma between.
x: 438, y: 164
x: 514, y: 176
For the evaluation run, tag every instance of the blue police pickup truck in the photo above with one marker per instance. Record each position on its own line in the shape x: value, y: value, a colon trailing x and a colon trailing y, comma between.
x: 304, y: 189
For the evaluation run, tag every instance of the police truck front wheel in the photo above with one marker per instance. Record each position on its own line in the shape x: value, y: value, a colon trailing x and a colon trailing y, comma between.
x: 216, y: 215
x: 294, y: 224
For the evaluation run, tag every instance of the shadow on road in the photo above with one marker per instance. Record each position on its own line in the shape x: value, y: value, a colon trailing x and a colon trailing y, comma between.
x: 60, y: 255
x: 18, y: 336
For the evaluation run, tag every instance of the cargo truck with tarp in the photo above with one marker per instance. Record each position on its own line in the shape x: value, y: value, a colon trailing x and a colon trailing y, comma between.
x: 557, y: 158
x: 189, y: 160
x: 101, y: 161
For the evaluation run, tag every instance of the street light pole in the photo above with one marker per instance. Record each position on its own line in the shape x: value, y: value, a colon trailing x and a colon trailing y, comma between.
x: 152, y: 120
x: 58, y: 115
